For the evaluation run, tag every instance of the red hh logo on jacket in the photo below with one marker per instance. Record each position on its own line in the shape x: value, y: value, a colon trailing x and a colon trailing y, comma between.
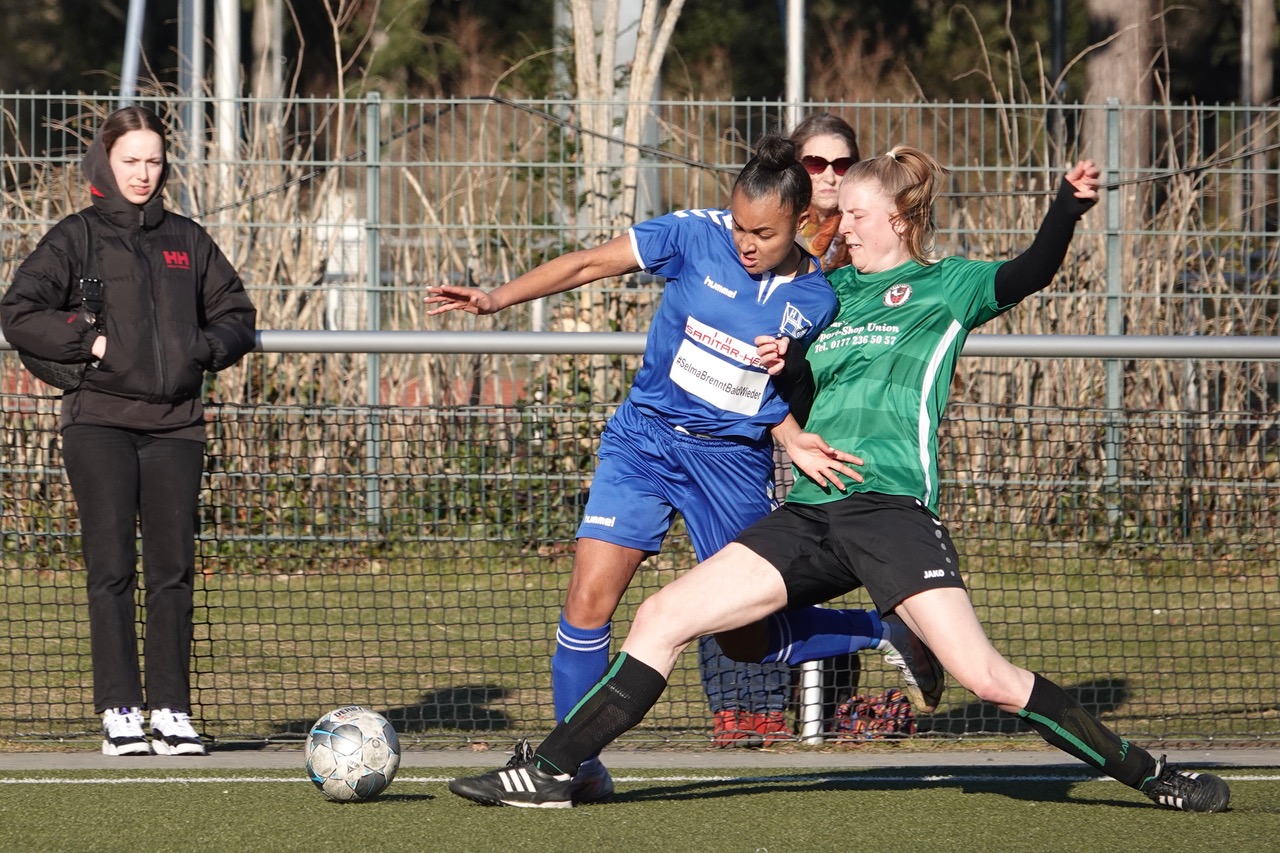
x: 177, y: 260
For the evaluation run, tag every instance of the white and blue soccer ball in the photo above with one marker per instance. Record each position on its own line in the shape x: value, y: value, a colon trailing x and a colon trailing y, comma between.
x: 353, y: 753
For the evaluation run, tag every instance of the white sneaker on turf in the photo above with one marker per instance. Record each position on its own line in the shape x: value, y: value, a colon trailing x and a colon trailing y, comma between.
x: 172, y: 734
x: 122, y: 732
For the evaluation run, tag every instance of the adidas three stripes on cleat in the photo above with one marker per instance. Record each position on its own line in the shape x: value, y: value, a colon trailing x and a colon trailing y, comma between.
x: 521, y: 783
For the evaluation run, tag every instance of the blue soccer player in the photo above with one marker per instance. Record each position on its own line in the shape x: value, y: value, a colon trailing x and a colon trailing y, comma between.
x: 695, y: 434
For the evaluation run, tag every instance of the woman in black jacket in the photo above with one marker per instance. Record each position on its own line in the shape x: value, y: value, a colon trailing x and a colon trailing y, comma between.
x: 133, y: 430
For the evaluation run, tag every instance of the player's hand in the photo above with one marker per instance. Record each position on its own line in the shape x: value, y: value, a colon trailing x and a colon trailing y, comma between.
x: 821, y: 462
x: 1086, y: 177
x: 772, y: 352
x: 450, y: 297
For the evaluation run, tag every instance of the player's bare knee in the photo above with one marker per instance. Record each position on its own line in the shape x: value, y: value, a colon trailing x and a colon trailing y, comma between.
x: 588, y: 614
x: 991, y: 686
x: 649, y: 614
x: 659, y: 618
x: 590, y: 606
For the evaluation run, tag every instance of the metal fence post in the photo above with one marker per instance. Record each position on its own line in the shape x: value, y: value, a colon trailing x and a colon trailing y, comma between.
x: 373, y: 275
x: 1114, y: 320
x: 809, y: 715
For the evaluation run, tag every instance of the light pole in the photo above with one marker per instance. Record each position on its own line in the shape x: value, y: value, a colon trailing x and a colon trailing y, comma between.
x: 132, y: 52
x: 795, y: 60
x: 1058, y: 65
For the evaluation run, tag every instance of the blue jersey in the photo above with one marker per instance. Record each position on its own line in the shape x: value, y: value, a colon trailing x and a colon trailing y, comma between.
x: 700, y: 369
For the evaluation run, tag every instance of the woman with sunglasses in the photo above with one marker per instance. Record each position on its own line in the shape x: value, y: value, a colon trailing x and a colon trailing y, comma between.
x: 827, y: 146
x: 752, y: 698
x: 695, y: 434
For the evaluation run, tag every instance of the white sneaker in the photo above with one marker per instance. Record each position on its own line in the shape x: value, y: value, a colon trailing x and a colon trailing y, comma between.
x: 172, y: 734
x: 122, y: 732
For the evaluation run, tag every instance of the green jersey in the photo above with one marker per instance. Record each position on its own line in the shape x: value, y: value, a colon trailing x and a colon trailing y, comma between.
x: 882, y: 370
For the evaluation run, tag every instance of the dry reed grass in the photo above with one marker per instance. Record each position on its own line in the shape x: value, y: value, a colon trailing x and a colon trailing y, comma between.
x: 463, y: 194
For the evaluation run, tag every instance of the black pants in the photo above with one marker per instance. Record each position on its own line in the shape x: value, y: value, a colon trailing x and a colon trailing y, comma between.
x: 120, y: 477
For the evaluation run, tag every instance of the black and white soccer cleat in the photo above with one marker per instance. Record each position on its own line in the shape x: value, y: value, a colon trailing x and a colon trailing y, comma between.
x: 1186, y: 790
x: 521, y: 783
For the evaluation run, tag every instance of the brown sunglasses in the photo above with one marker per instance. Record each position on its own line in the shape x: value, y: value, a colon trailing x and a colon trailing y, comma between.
x: 816, y: 165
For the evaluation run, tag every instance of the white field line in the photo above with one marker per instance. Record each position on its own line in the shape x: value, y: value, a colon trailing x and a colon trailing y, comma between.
x: 836, y: 777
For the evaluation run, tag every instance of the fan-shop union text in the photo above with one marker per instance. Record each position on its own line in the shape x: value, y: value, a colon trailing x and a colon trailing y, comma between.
x: 872, y: 334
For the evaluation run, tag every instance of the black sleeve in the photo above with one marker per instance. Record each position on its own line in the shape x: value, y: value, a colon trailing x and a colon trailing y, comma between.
x: 795, y: 383
x: 228, y: 316
x: 1035, y: 268
x: 40, y: 312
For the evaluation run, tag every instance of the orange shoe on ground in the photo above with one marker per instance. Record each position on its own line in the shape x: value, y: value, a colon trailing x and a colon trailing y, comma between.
x: 772, y: 727
x: 734, y: 729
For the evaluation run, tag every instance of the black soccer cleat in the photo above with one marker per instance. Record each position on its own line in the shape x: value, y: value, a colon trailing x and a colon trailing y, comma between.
x: 522, y: 754
x: 592, y: 783
x: 521, y: 783
x: 1186, y: 790
x: 923, y: 675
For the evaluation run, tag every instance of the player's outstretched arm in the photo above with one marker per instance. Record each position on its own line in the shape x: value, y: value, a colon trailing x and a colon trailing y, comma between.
x: 555, y: 276
x: 1034, y: 269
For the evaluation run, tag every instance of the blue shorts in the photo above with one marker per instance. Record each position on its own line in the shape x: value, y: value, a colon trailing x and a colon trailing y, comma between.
x: 647, y: 471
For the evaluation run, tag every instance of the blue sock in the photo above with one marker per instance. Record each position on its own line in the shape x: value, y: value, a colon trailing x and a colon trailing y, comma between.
x: 816, y: 633
x: 581, y: 658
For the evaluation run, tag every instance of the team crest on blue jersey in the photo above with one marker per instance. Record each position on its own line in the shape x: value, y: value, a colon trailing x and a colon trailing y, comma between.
x: 897, y: 295
x: 794, y: 324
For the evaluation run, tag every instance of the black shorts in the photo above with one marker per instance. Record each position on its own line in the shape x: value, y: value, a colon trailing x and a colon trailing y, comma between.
x: 891, y: 544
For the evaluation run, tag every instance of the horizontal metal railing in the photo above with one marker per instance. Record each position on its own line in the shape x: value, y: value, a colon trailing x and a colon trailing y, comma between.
x: 632, y: 343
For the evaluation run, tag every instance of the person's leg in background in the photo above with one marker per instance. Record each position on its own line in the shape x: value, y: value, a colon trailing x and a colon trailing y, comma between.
x: 169, y: 497
x: 729, y: 695
x: 171, y: 470
x: 768, y: 691
x: 102, y: 467
x: 730, y: 487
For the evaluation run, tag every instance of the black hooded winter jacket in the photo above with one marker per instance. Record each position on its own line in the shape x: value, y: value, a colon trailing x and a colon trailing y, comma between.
x: 174, y: 309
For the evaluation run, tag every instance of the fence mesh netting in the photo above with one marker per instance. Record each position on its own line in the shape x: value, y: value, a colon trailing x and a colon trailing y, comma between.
x: 397, y: 530
x: 413, y: 559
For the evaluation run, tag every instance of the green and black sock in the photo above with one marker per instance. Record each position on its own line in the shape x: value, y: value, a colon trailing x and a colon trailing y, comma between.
x: 618, y: 702
x: 1063, y: 722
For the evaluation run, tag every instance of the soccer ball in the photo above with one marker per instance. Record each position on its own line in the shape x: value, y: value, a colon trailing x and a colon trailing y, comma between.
x: 352, y: 754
